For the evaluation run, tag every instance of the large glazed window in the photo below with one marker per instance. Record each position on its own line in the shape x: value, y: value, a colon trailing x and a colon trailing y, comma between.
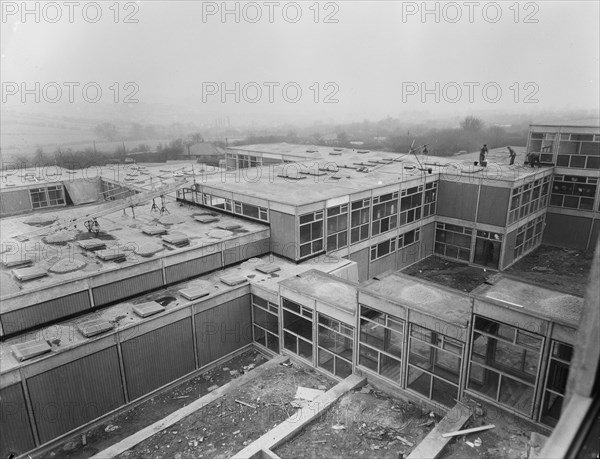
x: 434, y: 365
x: 265, y: 321
x: 359, y: 220
x: 381, y: 343
x: 505, y: 363
x: 297, y: 329
x: 384, y: 213
x: 311, y: 234
x: 336, y: 344
x: 337, y: 227
x: 556, y: 382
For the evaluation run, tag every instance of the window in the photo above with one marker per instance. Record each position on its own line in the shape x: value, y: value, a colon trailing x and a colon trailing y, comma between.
x: 337, y: 227
x: 453, y: 241
x: 574, y: 192
x: 297, y: 329
x: 488, y: 246
x: 580, y: 151
x: 434, y: 364
x: 38, y: 197
x: 556, y: 382
x: 311, y: 234
x: 265, y: 320
x: 383, y: 248
x: 47, y: 197
x: 529, y: 236
x: 55, y: 195
x: 384, y: 213
x: 408, y: 238
x: 381, y: 343
x: 335, y: 344
x: 410, y: 205
x: 359, y: 220
x: 528, y: 198
x: 430, y: 199
x: 505, y: 362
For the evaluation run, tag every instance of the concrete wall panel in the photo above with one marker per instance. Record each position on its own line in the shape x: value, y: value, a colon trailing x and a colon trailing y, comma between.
x: 14, y: 202
x: 15, y: 435
x: 567, y: 231
x: 71, y: 395
x: 283, y: 234
x: 493, y: 205
x: 158, y: 357
x: 457, y: 200
x: 126, y: 288
x: 223, y: 329
x: 48, y: 311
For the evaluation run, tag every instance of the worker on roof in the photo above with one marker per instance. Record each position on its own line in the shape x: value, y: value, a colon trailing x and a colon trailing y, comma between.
x: 533, y: 158
x: 512, y: 154
x: 482, y: 153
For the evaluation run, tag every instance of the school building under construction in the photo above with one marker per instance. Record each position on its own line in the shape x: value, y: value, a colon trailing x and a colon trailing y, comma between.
x: 122, y: 280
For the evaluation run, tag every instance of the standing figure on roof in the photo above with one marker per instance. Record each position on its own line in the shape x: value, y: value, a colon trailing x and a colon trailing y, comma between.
x: 512, y: 154
x: 482, y: 153
x: 533, y: 158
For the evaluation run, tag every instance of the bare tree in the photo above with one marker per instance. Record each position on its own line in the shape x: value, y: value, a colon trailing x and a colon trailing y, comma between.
x: 472, y: 124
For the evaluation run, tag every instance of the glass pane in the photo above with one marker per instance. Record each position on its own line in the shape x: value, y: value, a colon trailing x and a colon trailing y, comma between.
x: 273, y: 343
x: 368, y: 358
x: 516, y: 395
x: 343, y: 369
x: 326, y: 360
x: 483, y: 380
x: 305, y: 349
x: 419, y: 381
x: 444, y: 392
x: 390, y: 368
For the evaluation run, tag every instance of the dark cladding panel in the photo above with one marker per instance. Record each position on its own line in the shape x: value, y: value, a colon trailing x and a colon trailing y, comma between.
x: 158, y: 357
x: 361, y: 258
x: 22, y: 319
x: 283, y: 234
x: 73, y: 394
x: 126, y: 288
x: 509, y: 249
x: 223, y: 329
x: 408, y: 255
x: 241, y: 252
x: 15, y: 435
x: 567, y: 231
x: 457, y: 200
x: 14, y: 202
x: 427, y: 239
x: 493, y: 205
x: 193, y: 268
x: 595, y: 235
x: 382, y: 265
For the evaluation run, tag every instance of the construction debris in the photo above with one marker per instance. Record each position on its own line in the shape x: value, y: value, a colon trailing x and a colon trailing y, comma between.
x: 468, y: 431
x: 249, y: 405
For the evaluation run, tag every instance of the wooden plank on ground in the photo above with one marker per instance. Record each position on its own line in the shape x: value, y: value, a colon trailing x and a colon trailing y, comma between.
x: 175, y: 417
x: 434, y: 443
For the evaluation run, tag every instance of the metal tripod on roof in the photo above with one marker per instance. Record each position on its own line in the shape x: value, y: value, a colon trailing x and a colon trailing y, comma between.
x: 163, y: 207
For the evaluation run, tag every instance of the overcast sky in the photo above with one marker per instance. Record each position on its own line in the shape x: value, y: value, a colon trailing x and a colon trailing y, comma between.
x: 376, y: 56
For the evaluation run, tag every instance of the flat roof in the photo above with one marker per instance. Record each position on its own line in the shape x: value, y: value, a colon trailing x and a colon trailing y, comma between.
x: 340, y: 174
x: 123, y: 315
x: 121, y: 233
x: 324, y: 287
x: 588, y: 122
x: 434, y: 300
x: 534, y: 299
